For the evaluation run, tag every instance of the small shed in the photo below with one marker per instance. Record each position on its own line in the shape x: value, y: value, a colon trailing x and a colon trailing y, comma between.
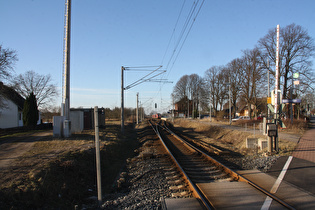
x: 83, y: 119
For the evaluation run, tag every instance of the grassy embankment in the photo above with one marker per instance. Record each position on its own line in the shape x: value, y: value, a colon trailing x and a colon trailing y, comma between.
x: 235, y: 140
x: 61, y: 173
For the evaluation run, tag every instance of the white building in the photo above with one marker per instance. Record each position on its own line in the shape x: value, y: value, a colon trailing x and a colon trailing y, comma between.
x: 11, y: 107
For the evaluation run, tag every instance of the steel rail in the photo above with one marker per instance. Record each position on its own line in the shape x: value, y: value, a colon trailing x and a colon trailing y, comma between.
x: 193, y: 187
x: 234, y: 174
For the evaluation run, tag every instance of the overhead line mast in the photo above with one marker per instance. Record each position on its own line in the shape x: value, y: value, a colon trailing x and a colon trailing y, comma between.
x: 147, y: 78
x: 66, y: 71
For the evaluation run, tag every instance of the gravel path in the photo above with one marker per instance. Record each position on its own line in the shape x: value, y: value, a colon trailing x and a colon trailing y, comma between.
x: 14, y: 147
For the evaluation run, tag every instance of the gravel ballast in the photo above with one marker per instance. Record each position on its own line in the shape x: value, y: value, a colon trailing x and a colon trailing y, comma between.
x: 143, y: 185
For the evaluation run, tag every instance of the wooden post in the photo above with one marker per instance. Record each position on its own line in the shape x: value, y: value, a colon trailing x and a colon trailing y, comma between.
x: 98, y: 159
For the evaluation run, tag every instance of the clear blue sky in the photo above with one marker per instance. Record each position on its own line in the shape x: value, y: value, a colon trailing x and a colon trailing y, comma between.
x: 109, y: 34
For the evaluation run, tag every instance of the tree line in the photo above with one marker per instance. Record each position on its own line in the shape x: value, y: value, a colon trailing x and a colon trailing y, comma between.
x: 246, y: 77
x: 38, y: 90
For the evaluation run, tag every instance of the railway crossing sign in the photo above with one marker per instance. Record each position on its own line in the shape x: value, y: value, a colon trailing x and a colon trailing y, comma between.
x: 278, y: 114
x: 289, y: 101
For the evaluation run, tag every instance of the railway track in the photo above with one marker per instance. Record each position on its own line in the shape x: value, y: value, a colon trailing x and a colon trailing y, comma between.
x: 198, y: 171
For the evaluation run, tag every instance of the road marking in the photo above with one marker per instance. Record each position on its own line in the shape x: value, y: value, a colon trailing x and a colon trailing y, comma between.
x: 267, y: 203
x: 276, y: 185
x: 280, y: 178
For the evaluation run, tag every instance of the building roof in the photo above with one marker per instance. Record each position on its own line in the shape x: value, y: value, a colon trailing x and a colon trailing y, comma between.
x: 11, y: 94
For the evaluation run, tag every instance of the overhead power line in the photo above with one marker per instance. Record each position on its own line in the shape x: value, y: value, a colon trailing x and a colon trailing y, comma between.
x: 189, y: 22
x: 145, y: 78
x: 173, y: 33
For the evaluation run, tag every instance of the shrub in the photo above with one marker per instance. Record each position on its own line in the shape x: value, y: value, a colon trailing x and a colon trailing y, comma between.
x: 30, y: 111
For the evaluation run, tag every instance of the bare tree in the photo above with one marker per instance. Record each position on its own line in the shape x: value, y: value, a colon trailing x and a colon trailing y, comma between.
x: 295, y: 54
x: 194, y: 87
x: 235, y: 78
x: 210, y: 78
x: 180, y: 90
x: 222, y: 88
x: 252, y: 78
x: 215, y: 84
x: 8, y: 58
x: 189, y: 87
x: 41, y: 85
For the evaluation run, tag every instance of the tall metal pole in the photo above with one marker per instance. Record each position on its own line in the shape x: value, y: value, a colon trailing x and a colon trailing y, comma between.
x: 66, y: 88
x: 277, y: 87
x: 277, y: 76
x: 122, y: 99
x: 173, y: 108
x: 268, y: 94
x: 137, y: 111
x: 199, y: 106
x: 210, y: 107
x: 188, y: 104
x: 230, y: 101
x: 291, y: 104
x: 141, y: 112
x: 193, y: 108
x: 66, y: 71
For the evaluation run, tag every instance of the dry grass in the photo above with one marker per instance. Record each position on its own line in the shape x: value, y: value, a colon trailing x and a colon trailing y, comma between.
x: 298, y: 126
x: 230, y: 139
x: 59, y: 173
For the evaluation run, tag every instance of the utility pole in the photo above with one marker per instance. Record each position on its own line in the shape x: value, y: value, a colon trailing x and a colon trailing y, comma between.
x: 230, y: 100
x: 140, y: 112
x: 146, y: 78
x: 276, y: 145
x: 268, y: 94
x: 66, y: 88
x: 187, y: 106
x: 210, y: 106
x: 122, y: 100
x: 277, y: 76
x: 98, y: 157
x: 199, y: 106
x: 137, y: 111
x: 173, y: 110
x: 193, y: 106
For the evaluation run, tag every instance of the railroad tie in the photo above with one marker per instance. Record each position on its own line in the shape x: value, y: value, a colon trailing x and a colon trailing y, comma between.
x: 177, y: 187
x: 170, y: 169
x: 169, y: 178
x: 230, y: 179
x: 206, y: 176
x: 202, y: 171
x: 170, y: 173
x: 219, y: 176
x: 198, y: 169
x: 180, y: 194
x: 175, y: 182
